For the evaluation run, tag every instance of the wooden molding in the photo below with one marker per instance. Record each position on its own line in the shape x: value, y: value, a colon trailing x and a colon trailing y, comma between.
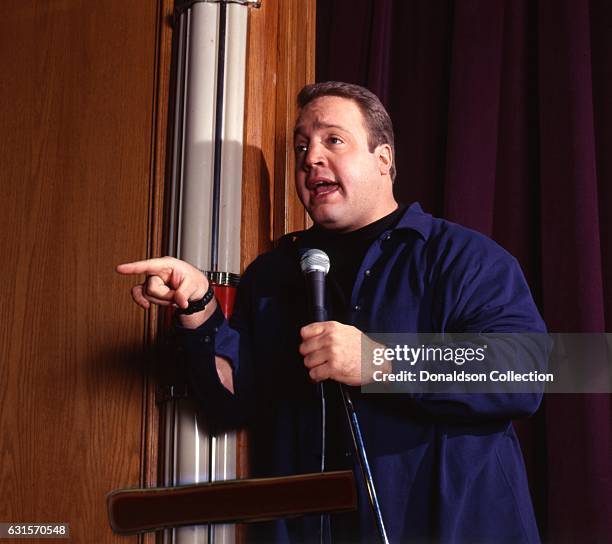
x: 158, y: 168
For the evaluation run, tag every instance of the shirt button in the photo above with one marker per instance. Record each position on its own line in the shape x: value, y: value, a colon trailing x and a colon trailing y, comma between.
x: 357, y: 307
x: 206, y: 339
x: 387, y: 236
x: 216, y: 329
x: 367, y: 272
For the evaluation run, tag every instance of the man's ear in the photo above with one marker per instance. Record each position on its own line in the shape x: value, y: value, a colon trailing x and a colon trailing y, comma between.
x: 384, y: 155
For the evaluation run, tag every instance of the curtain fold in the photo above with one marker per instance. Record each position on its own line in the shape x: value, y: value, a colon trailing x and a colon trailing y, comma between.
x: 578, y: 427
x: 503, y: 123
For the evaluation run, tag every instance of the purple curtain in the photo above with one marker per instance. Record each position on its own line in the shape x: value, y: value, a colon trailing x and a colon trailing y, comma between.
x: 503, y: 120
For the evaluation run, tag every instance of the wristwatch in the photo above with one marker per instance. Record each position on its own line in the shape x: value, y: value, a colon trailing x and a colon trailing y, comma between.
x: 197, y: 305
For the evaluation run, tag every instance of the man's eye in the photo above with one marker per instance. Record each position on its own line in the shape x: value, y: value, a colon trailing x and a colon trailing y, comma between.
x: 301, y: 148
x: 335, y: 140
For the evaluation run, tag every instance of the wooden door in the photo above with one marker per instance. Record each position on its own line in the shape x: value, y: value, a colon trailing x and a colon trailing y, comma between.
x: 82, y: 113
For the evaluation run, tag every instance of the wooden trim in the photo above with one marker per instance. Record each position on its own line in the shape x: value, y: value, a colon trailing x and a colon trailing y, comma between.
x: 159, y: 141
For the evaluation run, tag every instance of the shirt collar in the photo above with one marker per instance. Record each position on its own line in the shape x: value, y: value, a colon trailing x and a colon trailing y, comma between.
x: 415, y: 218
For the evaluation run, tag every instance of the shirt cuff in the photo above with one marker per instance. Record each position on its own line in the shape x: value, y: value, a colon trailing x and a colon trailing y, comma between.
x: 209, y: 328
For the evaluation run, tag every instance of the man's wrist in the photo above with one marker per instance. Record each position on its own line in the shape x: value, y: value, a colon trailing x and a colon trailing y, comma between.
x: 368, y: 367
x: 195, y: 320
x: 199, y: 305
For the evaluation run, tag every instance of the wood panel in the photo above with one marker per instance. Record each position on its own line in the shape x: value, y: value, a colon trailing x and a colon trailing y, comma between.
x: 296, y: 51
x: 280, y: 61
x: 80, y: 185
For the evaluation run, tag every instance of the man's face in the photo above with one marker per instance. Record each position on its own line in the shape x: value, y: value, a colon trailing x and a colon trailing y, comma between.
x: 341, y: 183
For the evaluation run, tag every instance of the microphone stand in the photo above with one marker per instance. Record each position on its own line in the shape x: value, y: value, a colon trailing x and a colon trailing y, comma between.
x: 320, y: 314
x: 359, y: 447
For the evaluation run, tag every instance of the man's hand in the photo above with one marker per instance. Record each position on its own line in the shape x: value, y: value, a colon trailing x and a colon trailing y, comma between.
x: 332, y: 350
x: 170, y: 281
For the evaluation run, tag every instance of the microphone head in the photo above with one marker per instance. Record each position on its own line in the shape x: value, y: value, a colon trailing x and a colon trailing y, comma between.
x: 314, y: 260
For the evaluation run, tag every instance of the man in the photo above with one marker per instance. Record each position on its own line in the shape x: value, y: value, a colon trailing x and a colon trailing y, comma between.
x: 447, y: 467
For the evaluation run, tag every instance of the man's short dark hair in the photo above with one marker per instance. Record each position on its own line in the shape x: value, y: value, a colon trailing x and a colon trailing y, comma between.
x: 378, y: 122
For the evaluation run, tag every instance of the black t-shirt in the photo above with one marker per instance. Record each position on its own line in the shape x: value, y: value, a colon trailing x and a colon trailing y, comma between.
x: 346, y: 251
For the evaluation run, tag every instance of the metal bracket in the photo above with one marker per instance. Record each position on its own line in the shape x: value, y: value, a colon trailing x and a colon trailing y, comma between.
x: 171, y: 392
x: 184, y: 5
x: 223, y: 278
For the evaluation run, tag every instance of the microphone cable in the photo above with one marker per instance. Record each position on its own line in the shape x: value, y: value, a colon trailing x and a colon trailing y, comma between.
x: 323, y: 452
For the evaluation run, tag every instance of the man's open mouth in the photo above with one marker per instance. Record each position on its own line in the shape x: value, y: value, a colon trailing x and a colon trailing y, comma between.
x: 321, y: 187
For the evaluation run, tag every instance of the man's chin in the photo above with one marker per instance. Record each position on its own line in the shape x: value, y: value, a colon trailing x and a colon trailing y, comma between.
x: 329, y: 216
x: 329, y: 223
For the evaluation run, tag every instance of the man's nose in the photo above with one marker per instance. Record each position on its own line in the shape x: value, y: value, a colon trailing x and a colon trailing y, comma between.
x: 315, y: 155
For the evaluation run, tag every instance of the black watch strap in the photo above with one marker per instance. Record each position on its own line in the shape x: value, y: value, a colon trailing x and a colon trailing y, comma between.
x: 198, y: 305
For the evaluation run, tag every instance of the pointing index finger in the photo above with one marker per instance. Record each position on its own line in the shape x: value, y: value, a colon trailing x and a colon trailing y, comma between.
x: 149, y: 266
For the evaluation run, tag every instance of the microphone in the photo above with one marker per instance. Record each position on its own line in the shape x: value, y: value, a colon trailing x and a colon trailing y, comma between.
x: 315, y: 266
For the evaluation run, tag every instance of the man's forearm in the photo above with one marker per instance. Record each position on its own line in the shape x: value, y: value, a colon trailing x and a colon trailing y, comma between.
x: 193, y: 321
x: 224, y: 371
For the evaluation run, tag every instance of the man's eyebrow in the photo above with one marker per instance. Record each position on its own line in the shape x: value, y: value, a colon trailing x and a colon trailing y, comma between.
x: 317, y: 125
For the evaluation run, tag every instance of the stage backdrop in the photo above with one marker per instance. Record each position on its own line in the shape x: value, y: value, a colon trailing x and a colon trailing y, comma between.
x: 503, y: 123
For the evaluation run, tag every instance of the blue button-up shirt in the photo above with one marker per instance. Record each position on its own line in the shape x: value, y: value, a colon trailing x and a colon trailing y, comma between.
x: 447, y: 467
